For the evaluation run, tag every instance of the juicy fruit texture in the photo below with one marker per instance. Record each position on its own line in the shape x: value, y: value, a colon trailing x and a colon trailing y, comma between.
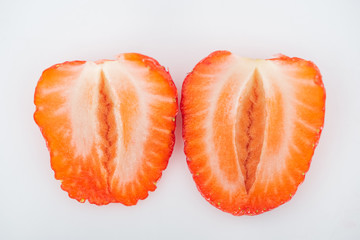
x: 250, y: 128
x: 109, y: 126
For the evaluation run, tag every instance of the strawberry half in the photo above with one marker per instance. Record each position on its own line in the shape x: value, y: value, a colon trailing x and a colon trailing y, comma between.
x: 250, y: 128
x: 109, y: 126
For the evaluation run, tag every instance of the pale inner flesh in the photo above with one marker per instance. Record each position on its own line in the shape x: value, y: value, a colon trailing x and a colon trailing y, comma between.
x: 116, y: 111
x: 248, y: 123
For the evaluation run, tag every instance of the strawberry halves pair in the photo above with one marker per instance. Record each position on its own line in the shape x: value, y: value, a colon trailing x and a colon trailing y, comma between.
x: 250, y: 127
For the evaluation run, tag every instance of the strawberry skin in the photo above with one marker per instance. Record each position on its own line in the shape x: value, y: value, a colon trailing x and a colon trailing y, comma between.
x: 109, y: 126
x: 250, y: 128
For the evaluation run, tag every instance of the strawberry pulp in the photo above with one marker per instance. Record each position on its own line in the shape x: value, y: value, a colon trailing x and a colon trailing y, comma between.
x: 250, y: 128
x: 109, y: 126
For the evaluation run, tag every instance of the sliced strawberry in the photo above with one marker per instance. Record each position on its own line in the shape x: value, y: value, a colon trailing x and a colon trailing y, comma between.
x: 250, y: 128
x: 109, y: 126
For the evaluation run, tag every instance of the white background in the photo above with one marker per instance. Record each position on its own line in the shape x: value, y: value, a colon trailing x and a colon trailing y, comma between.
x: 37, y: 34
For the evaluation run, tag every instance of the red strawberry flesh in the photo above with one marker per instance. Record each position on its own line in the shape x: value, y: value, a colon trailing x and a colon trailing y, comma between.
x: 250, y: 128
x: 108, y: 125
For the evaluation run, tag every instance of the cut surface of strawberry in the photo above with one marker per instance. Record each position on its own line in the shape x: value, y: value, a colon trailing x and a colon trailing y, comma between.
x: 250, y: 128
x: 109, y: 126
